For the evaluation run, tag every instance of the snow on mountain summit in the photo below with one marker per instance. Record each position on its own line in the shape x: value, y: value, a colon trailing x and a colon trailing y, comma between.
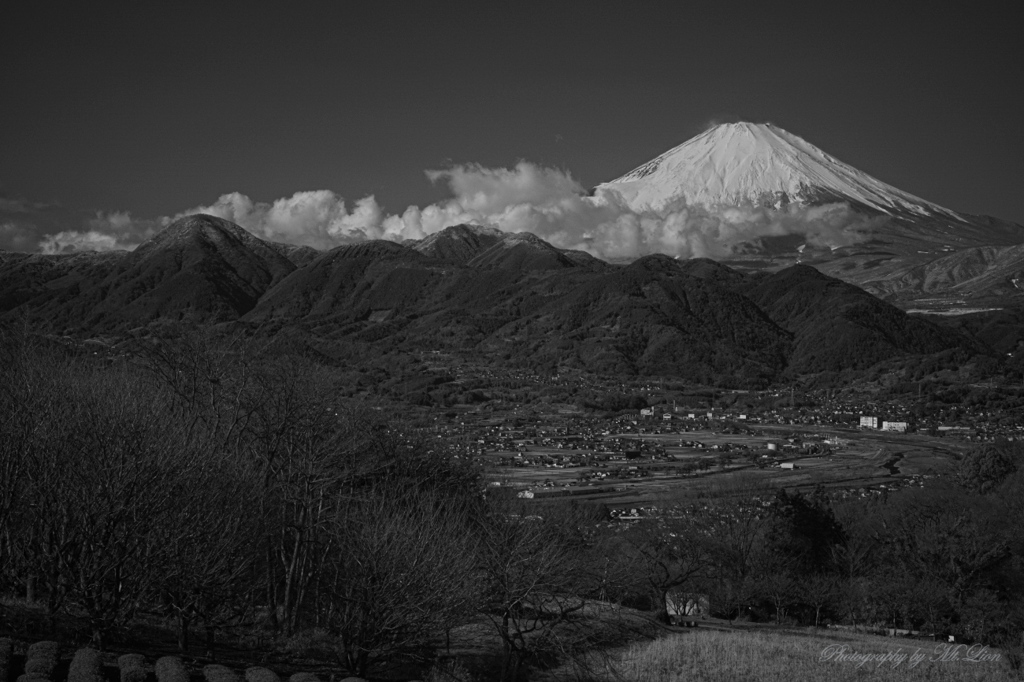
x: 735, y: 163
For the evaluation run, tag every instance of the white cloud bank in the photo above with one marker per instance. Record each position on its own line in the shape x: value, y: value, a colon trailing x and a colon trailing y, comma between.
x: 545, y: 201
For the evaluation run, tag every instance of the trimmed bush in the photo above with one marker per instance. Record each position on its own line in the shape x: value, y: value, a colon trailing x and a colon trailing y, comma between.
x: 133, y: 667
x: 219, y: 673
x: 171, y: 669
x: 46, y: 648
x: 258, y: 674
x: 41, y: 664
x: 41, y: 659
x: 303, y: 677
x: 86, y: 666
x: 6, y: 653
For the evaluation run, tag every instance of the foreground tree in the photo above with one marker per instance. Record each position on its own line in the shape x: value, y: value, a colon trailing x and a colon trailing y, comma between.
x: 206, y: 571
x: 737, y: 544
x: 820, y: 592
x: 540, y: 571
x: 986, y: 466
x: 400, y: 570
x: 95, y: 485
x: 670, y: 553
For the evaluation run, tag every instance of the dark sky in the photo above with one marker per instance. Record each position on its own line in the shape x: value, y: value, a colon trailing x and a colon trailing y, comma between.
x: 157, y: 107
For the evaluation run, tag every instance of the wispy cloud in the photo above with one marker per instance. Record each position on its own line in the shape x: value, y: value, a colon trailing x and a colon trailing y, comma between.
x: 17, y: 237
x: 71, y: 241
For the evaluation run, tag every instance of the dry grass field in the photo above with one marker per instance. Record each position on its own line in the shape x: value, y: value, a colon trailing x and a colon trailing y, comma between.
x: 722, y: 656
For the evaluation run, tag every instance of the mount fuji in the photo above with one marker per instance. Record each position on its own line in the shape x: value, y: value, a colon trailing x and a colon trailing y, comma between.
x: 762, y: 166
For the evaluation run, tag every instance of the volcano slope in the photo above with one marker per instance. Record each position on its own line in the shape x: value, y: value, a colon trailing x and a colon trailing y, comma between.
x: 806, y: 206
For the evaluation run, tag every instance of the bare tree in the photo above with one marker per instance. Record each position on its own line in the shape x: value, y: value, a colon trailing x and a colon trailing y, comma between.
x: 207, y: 546
x: 400, y: 571
x: 819, y: 591
x: 539, y: 576
x: 26, y: 409
x: 736, y: 546
x: 778, y: 582
x: 669, y: 552
x: 93, y: 483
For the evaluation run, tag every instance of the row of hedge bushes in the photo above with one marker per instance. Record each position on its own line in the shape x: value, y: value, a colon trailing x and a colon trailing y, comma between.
x: 43, y: 658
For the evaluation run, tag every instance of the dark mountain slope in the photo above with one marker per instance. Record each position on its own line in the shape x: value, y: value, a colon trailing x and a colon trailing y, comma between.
x: 408, y: 298
x: 520, y: 300
x: 705, y: 268
x: 200, y: 268
x: 584, y: 259
x: 651, y: 318
x: 459, y: 243
x: 835, y: 325
x: 39, y: 277
x: 1002, y: 330
x: 298, y: 255
x: 523, y: 251
x: 349, y: 281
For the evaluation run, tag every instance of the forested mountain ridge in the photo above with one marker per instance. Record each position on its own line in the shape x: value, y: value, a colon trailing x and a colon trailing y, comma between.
x: 511, y: 298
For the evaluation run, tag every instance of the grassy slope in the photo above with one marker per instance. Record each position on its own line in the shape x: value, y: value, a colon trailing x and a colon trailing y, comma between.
x: 712, y: 656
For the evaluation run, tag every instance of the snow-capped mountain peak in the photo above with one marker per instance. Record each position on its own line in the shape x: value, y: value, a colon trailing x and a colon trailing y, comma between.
x: 759, y: 163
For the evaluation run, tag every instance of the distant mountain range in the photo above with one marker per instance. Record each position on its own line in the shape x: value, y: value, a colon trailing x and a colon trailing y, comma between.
x: 511, y: 298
